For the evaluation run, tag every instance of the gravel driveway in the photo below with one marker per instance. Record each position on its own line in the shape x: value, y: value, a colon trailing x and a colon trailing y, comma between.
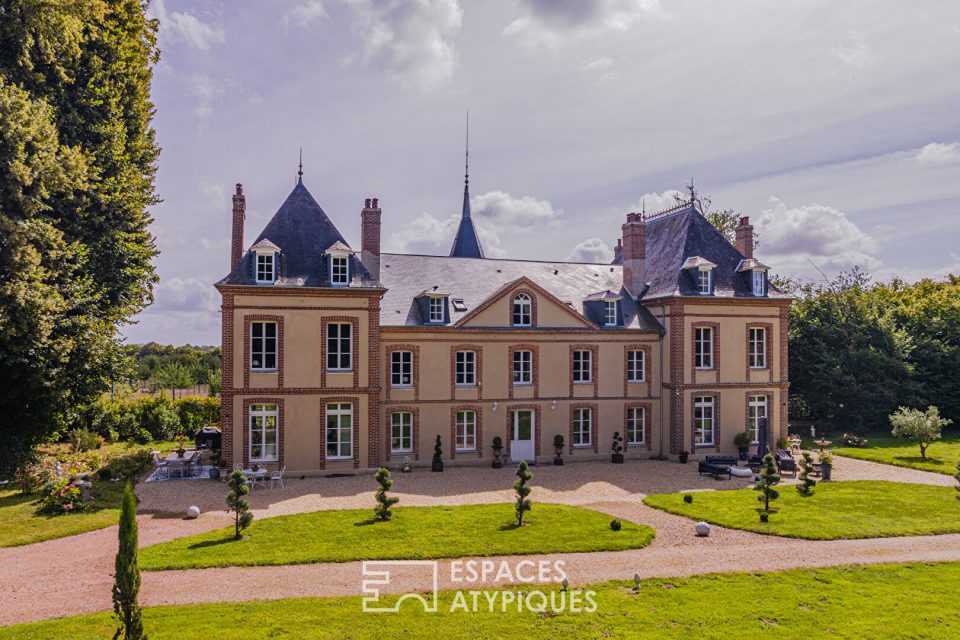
x: 74, y: 575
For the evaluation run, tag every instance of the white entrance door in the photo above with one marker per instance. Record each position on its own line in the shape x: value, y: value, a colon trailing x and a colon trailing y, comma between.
x: 522, y: 447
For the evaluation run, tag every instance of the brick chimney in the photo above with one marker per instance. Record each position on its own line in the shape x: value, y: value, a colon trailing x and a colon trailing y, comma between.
x: 618, y: 252
x: 634, y: 253
x: 745, y: 237
x: 370, y: 236
x: 239, y: 216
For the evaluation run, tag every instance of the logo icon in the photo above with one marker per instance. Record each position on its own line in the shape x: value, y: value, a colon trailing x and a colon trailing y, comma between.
x: 378, y: 573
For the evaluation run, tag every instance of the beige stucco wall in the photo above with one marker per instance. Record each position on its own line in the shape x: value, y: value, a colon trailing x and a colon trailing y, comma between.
x: 548, y: 312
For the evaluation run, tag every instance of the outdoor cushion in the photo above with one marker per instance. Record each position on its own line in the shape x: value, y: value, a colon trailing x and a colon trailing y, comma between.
x: 741, y: 472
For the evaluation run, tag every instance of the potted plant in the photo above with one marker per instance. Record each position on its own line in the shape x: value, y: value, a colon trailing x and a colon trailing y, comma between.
x: 558, y: 449
x: 742, y: 442
x: 497, y: 450
x: 617, y: 448
x: 683, y: 456
x: 437, y: 456
x: 826, y: 464
x: 783, y: 444
x: 215, y: 465
x: 181, y: 450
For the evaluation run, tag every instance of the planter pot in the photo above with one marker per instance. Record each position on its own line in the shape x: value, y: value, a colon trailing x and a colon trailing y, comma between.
x: 683, y: 457
x: 214, y: 473
x: 497, y: 462
x: 436, y: 466
x: 558, y: 460
x: 826, y: 470
x: 617, y: 458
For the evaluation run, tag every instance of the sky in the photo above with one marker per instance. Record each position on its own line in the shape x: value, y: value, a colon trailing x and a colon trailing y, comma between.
x: 833, y: 125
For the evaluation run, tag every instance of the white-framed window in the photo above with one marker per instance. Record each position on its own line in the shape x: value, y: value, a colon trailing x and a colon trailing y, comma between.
x: 263, y: 346
x: 522, y: 311
x: 339, y: 431
x: 636, y: 425
x: 401, y: 369
x: 582, y: 370
x: 339, y: 346
x: 466, y: 429
x: 339, y: 271
x: 436, y: 309
x: 466, y: 368
x: 523, y: 367
x: 610, y: 316
x: 401, y: 432
x: 582, y: 427
x: 635, y: 365
x: 759, y: 282
x: 266, y: 267
x: 703, y: 407
x: 703, y: 347
x: 705, y: 281
x: 758, y: 348
x: 264, y: 429
x: 756, y: 409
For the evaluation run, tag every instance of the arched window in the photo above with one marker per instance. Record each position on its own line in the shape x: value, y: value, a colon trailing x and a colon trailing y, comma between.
x: 522, y: 311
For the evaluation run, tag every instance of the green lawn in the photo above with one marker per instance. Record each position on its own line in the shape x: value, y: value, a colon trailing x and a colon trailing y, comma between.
x: 21, y: 524
x: 856, y: 509
x: 414, y: 532
x: 942, y: 455
x: 880, y: 601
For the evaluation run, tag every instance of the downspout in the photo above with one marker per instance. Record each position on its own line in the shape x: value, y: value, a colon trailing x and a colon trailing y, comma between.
x: 663, y: 331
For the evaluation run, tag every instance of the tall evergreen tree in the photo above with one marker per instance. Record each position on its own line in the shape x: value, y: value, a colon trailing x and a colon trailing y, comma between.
x: 126, y: 583
x: 79, y: 157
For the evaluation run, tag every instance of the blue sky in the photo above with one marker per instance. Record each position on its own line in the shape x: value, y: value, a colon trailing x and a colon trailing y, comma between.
x: 832, y: 125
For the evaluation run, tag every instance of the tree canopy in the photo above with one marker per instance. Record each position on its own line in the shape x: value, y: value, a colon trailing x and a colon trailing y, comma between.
x: 78, y: 158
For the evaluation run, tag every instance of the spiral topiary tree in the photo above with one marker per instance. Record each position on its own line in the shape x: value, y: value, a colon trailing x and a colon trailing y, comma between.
x: 382, y: 510
x: 520, y: 486
x: 805, y: 488
x: 437, y: 456
x: 769, y: 478
x: 617, y: 448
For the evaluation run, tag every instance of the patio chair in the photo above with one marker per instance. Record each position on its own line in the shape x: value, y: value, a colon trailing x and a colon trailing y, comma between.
x: 161, y: 467
x: 277, y: 476
x: 785, y: 462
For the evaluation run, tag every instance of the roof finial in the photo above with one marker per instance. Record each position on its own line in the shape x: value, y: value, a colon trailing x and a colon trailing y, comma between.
x: 300, y: 170
x: 643, y: 208
x: 693, y: 191
x: 466, y: 162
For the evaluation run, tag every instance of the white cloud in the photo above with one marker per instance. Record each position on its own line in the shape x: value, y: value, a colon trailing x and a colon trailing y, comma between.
x: 546, y: 24
x: 186, y: 294
x: 305, y: 14
x: 597, y: 64
x: 938, y: 153
x: 854, y: 52
x: 653, y: 202
x: 591, y: 250
x: 793, y: 238
x: 410, y: 41
x: 508, y: 213
x: 185, y: 28
x: 425, y: 235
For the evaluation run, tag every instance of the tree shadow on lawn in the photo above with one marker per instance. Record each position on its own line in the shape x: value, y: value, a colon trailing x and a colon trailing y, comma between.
x: 206, y: 544
x: 368, y: 522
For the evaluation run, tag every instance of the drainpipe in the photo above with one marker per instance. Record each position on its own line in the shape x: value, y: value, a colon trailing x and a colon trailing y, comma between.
x: 663, y: 331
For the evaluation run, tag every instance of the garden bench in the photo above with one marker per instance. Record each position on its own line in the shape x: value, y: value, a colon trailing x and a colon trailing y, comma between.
x: 717, y: 466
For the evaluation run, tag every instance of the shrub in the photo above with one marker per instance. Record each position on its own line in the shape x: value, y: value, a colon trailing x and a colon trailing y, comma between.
x: 805, y: 488
x: 30, y: 476
x: 825, y: 457
x: 782, y: 443
x: 61, y: 497
x: 769, y: 478
x: 617, y: 446
x: 158, y: 416
x: 197, y: 411
x: 520, y: 487
x: 688, y: 498
x: 615, y: 525
x: 82, y: 440
x: 558, y: 441
x: 497, y: 442
x: 237, y: 503
x: 437, y: 451
x: 131, y: 464
x: 104, y: 474
x: 853, y: 440
x: 742, y: 440
x: 922, y: 427
x: 382, y: 510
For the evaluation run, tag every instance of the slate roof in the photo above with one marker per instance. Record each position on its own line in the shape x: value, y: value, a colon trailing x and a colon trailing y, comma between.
x: 681, y: 233
x: 303, y: 232
x: 474, y: 280
x: 466, y: 244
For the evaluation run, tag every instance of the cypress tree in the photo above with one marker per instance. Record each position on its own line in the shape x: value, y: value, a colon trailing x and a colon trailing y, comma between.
x: 126, y: 581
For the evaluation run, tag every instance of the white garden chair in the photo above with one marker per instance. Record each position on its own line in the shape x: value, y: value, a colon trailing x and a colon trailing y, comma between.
x: 277, y: 476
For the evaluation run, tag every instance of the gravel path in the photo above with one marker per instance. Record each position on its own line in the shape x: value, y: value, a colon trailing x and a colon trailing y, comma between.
x: 73, y: 575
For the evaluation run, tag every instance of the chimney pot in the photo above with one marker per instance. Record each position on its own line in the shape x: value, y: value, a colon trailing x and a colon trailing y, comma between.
x: 366, y: 203
x: 376, y: 203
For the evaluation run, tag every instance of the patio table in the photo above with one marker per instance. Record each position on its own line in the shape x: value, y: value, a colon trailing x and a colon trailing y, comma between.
x: 178, y: 465
x: 256, y: 477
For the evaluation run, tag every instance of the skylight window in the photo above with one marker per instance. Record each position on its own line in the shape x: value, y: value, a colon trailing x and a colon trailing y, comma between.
x: 458, y: 304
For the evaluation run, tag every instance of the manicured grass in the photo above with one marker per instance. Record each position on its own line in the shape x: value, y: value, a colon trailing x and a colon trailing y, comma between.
x: 942, y: 455
x: 414, y: 532
x: 21, y: 524
x: 881, y: 601
x: 837, y: 510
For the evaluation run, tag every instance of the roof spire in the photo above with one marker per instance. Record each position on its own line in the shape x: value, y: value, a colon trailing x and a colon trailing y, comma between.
x: 466, y: 162
x: 466, y: 244
x: 300, y: 170
x: 693, y: 191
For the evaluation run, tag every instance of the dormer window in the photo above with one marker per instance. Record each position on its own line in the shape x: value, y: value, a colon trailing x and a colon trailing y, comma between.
x: 759, y: 282
x: 338, y: 264
x: 610, y: 315
x: 266, y: 268
x: 757, y: 274
x: 522, y: 311
x: 705, y: 281
x: 436, y: 309
x: 339, y: 271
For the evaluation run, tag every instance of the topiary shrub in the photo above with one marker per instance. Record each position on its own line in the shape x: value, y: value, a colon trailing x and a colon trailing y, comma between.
x: 382, y: 510
x: 688, y: 498
x: 806, y: 485
x: 237, y: 503
x: 437, y: 455
x: 615, y: 525
x: 522, y: 490
x: 617, y: 448
x: 769, y: 478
